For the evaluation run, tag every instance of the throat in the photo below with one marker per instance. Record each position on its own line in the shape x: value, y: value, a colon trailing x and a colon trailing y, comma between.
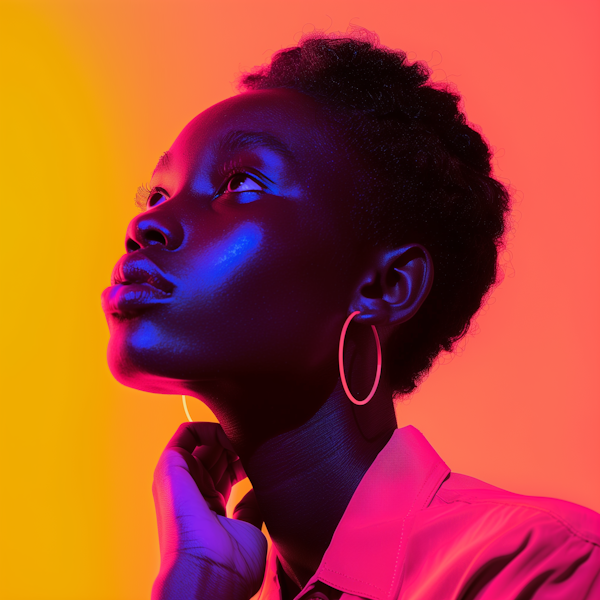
x: 305, y: 478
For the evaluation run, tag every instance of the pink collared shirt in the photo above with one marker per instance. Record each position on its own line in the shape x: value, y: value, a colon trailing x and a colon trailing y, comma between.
x: 415, y: 531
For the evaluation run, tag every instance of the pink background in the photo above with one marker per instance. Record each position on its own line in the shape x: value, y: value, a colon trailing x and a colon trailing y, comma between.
x: 95, y: 91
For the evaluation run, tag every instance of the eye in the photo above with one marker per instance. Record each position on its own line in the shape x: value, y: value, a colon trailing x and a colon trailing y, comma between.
x: 242, y: 182
x: 240, y: 188
x: 157, y: 196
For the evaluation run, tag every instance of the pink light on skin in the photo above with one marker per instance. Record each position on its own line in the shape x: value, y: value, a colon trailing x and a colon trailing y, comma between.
x: 341, y: 362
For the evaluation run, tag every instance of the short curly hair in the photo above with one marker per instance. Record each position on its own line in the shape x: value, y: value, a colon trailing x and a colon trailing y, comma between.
x: 429, y: 176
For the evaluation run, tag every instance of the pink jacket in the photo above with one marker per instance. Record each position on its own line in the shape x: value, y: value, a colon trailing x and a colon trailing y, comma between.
x: 415, y: 531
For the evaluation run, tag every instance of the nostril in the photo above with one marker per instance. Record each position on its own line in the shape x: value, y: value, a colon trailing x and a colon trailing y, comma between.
x: 131, y: 245
x: 154, y: 228
x: 154, y: 237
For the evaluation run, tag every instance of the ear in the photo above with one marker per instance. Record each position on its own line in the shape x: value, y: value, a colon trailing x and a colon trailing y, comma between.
x: 394, y: 286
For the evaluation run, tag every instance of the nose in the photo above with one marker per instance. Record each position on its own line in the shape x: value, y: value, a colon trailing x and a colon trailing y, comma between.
x: 154, y: 228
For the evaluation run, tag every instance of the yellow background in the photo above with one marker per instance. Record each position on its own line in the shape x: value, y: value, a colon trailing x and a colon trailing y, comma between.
x: 93, y: 92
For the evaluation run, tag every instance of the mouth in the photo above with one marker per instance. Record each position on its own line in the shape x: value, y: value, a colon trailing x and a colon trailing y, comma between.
x: 131, y: 269
x: 137, y: 284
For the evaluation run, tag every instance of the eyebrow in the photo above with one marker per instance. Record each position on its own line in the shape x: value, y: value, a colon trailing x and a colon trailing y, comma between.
x: 247, y: 140
x: 240, y: 140
x: 163, y: 162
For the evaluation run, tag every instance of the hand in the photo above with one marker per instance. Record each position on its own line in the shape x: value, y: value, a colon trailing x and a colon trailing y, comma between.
x: 203, y: 553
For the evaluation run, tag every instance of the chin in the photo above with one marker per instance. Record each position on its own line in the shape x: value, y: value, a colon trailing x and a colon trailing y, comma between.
x: 140, y: 368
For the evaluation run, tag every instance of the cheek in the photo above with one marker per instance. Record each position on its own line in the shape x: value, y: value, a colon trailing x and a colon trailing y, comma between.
x: 273, y: 259
x: 261, y: 295
x: 223, y: 260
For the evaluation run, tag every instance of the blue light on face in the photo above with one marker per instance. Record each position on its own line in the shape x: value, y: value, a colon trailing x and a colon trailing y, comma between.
x: 229, y: 254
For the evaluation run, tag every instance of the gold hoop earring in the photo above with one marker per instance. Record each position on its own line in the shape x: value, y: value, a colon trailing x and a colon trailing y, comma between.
x: 341, y: 362
x: 187, y: 412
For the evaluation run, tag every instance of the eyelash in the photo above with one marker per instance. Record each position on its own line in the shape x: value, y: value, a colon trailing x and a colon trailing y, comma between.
x: 141, y: 196
x: 144, y: 194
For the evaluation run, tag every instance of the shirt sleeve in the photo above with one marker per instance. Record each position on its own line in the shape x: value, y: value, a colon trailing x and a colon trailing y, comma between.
x: 540, y: 558
x: 497, y: 551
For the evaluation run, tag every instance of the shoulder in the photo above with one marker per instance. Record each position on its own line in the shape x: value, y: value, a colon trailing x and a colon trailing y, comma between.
x: 484, y: 542
x: 463, y: 491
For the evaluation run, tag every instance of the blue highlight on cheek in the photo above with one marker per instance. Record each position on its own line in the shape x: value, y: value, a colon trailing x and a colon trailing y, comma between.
x: 227, y: 255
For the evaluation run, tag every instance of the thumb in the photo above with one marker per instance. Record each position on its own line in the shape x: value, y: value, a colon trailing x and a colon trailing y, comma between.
x: 247, y: 510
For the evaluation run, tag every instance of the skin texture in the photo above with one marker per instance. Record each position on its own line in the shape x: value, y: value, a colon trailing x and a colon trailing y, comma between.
x: 248, y: 233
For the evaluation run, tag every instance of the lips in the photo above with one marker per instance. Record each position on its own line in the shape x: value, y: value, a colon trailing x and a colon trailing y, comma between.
x: 137, y: 283
x: 139, y: 269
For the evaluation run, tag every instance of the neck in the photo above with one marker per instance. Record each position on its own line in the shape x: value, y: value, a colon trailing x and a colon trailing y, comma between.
x: 304, y: 475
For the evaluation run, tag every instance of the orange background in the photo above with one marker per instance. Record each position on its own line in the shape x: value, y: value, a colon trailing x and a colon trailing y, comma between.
x: 95, y: 91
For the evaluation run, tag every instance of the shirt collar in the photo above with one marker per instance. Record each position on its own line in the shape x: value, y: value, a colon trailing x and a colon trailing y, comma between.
x: 366, y: 554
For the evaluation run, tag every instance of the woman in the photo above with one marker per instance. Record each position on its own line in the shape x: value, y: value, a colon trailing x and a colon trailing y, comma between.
x: 283, y: 273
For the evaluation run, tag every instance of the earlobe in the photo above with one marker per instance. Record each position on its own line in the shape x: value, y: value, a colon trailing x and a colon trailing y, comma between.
x: 396, y: 285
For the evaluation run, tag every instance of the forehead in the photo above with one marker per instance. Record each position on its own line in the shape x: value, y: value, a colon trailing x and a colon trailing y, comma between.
x: 286, y: 121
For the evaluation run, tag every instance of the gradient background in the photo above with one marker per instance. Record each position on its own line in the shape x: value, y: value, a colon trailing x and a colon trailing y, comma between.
x: 94, y: 92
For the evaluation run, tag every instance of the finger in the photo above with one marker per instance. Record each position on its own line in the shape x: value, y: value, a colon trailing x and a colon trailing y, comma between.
x: 220, y: 472
x: 225, y: 469
x: 209, y: 455
x: 238, y: 470
x: 214, y: 458
x: 206, y: 444
x: 214, y: 497
x: 226, y: 474
x: 247, y: 510
x: 222, y: 476
x: 177, y: 485
x: 190, y: 435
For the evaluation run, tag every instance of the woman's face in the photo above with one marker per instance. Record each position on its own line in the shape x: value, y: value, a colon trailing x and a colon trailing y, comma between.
x: 243, y: 264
